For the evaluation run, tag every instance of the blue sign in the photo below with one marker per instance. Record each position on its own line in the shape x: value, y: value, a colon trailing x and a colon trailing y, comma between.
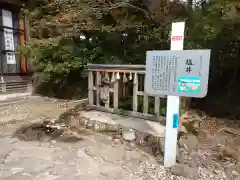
x: 189, y: 84
x: 175, y: 121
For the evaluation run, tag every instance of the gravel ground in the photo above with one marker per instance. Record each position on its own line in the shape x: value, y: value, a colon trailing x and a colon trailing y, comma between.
x: 94, y: 157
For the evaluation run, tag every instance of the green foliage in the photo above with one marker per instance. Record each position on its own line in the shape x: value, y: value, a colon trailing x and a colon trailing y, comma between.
x: 56, y: 48
x: 55, y: 21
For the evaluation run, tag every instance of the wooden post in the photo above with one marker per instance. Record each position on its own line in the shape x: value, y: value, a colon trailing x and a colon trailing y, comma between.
x: 107, y: 87
x: 90, y: 87
x: 108, y: 100
x: 145, y: 103
x: 135, y: 89
x: 4, y: 88
x: 27, y: 29
x: 98, y: 83
x: 115, y: 94
x: 156, y: 105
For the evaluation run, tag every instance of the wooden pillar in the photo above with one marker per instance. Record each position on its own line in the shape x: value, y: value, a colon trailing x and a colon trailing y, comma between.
x: 115, y: 94
x: 23, y: 62
x: 135, y: 90
x: 27, y: 29
x: 156, y: 105
x: 90, y: 87
x: 98, y: 83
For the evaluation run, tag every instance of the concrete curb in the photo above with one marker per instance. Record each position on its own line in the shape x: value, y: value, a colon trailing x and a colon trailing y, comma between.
x: 4, y: 97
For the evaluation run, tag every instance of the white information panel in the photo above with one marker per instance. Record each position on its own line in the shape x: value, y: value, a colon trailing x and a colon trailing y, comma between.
x: 177, y: 73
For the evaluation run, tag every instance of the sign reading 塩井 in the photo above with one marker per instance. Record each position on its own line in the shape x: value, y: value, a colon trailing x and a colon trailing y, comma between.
x: 177, y: 73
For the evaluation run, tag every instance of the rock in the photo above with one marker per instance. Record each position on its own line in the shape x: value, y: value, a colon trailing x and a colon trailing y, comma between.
x: 223, y: 174
x: 230, y: 151
x: 140, y: 136
x: 182, y: 130
x: 218, y: 166
x: 237, y: 168
x: 180, y: 157
x: 99, y: 127
x: 53, y: 141
x: 183, y: 170
x: 112, y: 127
x: 217, y: 171
x: 203, y: 160
x: 17, y: 170
x: 73, y: 122
x: 83, y: 121
x: 156, y: 144
x: 235, y: 173
x: 128, y: 134
x: 202, y: 135
x: 161, y: 142
x: 192, y: 126
x: 90, y: 125
x: 190, y: 142
x: 236, y: 155
x: 116, y: 142
x: 129, y: 146
x: 220, y: 173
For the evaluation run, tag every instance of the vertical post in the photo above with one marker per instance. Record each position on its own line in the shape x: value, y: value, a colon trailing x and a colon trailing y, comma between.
x: 135, y: 89
x: 98, y: 81
x: 173, y: 103
x: 27, y: 29
x: 115, y: 94
x: 4, y: 88
x: 145, y: 96
x: 124, y: 89
x: 27, y: 39
x: 106, y: 90
x: 108, y: 99
x: 145, y: 103
x: 23, y: 63
x: 156, y: 105
x: 90, y: 87
x: 30, y: 87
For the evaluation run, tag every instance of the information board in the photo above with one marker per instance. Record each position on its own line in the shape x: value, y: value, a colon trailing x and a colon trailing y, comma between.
x: 8, y: 36
x: 177, y: 73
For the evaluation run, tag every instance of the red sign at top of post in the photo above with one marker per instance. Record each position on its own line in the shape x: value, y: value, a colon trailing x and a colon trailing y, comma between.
x: 177, y: 38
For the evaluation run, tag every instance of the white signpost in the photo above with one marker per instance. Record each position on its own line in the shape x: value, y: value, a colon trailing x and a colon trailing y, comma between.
x: 173, y: 102
x: 176, y: 73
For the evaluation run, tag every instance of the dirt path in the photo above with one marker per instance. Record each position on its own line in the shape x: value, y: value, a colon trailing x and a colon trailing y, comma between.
x: 93, y: 158
x: 31, y: 108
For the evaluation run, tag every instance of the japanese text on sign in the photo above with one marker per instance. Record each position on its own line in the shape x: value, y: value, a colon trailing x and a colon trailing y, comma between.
x: 164, y: 73
x: 177, y: 73
x: 189, y: 65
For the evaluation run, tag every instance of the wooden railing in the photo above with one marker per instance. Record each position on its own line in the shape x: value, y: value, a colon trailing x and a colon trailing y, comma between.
x: 112, y: 87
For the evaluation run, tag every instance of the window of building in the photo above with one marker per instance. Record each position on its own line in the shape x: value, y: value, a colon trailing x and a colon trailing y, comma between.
x: 11, y: 36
